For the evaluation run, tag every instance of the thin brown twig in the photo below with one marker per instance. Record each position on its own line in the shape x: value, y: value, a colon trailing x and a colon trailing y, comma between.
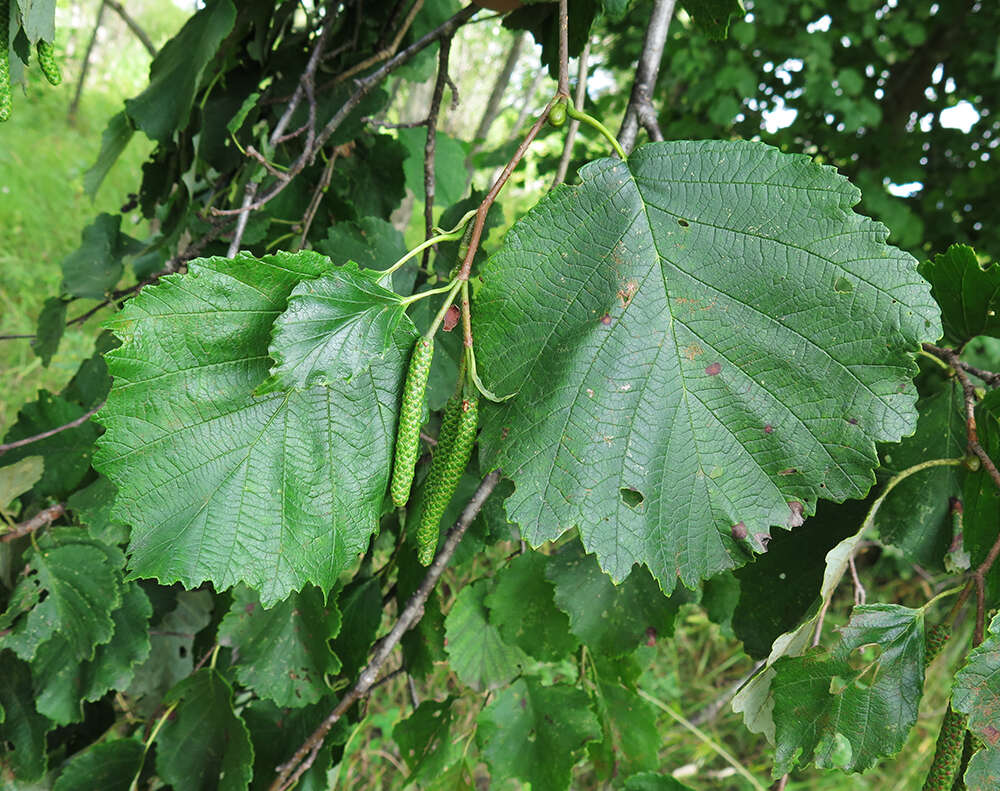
x: 292, y: 770
x: 51, y: 432
x: 563, y: 89
x: 41, y: 519
x: 430, y: 145
x: 317, y: 197
x: 316, y: 142
x: 491, y: 196
x: 977, y: 579
x: 140, y: 34
x: 382, y: 54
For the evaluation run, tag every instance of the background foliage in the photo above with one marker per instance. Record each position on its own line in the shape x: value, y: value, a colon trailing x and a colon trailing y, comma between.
x: 205, y: 662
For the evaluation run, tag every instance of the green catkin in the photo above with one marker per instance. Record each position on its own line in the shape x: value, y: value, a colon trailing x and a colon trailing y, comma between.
x: 410, y: 413
x: 455, y: 441
x: 947, y: 752
x: 5, y: 95
x: 47, y: 62
x: 934, y: 640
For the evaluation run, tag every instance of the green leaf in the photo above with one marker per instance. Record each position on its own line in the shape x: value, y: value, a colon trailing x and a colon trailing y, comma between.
x: 95, y: 267
x: 372, y: 242
x: 20, y: 724
x: 204, y: 744
x: 175, y: 72
x: 849, y: 708
x: 37, y: 18
x: 335, y: 327
x: 278, y: 733
x: 92, y: 508
x: 426, y: 741
x: 361, y: 605
x: 476, y: 652
x: 714, y: 16
x: 216, y: 483
x: 114, y: 139
x: 982, y: 498
x: 109, y: 766
x: 523, y: 610
x: 449, y: 165
x: 69, y: 587
x: 611, y: 619
x: 91, y: 382
x: 968, y: 293
x: 170, y: 658
x: 649, y: 781
x: 18, y: 478
x: 779, y: 587
x: 983, y: 773
x: 51, y: 325
x: 632, y: 740
x: 915, y: 517
x: 535, y: 733
x: 422, y: 645
x: 67, y: 453
x: 63, y: 685
x: 723, y: 296
x: 976, y: 691
x: 283, y: 653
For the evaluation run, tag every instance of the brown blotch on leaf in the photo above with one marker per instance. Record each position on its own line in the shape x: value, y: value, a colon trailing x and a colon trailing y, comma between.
x: 738, y: 531
x: 650, y: 636
x: 764, y: 539
x: 626, y: 292
x: 606, y: 319
x: 451, y: 318
x: 789, y: 471
x: 797, y: 516
x: 505, y: 432
x: 853, y: 421
x: 714, y: 369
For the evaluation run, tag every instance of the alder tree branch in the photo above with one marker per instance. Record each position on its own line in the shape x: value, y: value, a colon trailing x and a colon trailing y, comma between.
x: 574, y: 125
x: 140, y: 34
x: 381, y: 55
x: 363, y: 86
x: 41, y: 519
x: 51, y: 432
x: 430, y: 145
x: 290, y: 772
x: 491, y: 196
x: 640, y: 110
x: 317, y: 197
x: 977, y: 581
x: 563, y: 89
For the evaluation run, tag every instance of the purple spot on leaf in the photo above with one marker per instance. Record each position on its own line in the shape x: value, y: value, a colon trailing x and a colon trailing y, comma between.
x: 739, y: 531
x: 714, y: 369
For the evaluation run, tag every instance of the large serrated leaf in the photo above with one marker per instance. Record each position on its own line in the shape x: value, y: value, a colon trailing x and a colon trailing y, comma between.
x: 217, y: 483
x: 977, y: 688
x: 70, y: 586
x: 335, y: 327
x: 283, y: 653
x: 858, y: 704
x: 536, y: 733
x: 704, y: 341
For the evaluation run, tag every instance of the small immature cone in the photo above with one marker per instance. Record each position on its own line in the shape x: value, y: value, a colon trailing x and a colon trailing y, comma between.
x: 47, y: 62
x: 410, y: 413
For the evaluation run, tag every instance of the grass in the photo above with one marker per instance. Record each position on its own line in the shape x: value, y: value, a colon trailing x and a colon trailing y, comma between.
x: 43, y: 207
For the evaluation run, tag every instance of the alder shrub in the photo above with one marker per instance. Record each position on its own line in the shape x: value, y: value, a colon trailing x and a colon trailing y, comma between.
x: 675, y: 379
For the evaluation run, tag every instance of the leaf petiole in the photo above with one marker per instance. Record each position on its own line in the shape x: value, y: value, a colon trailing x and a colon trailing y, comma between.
x: 579, y: 115
x: 444, y: 236
x: 452, y: 292
x: 407, y: 301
